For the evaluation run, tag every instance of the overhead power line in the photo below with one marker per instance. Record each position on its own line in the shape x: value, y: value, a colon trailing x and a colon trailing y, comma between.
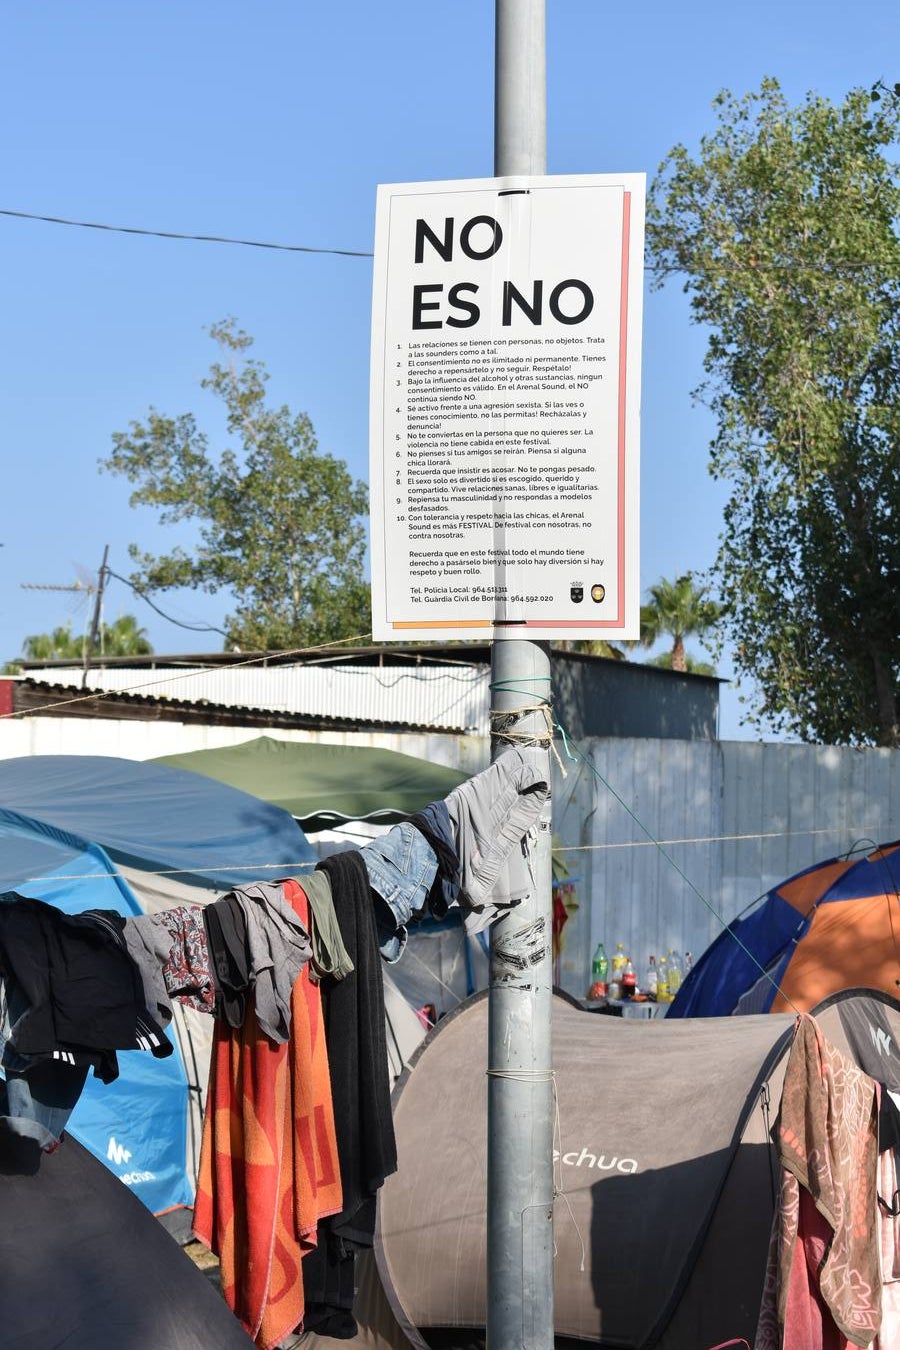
x: 836, y: 265
x: 142, y: 594
x: 196, y: 238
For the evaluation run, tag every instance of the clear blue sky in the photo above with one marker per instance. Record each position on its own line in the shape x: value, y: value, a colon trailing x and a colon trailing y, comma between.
x: 276, y: 122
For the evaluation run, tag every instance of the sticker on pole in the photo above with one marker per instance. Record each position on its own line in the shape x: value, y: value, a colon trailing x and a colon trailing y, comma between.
x: 505, y: 395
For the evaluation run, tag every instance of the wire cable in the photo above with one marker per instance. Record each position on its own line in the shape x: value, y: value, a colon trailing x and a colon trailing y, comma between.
x: 664, y: 269
x: 194, y: 238
x: 139, y: 591
x: 699, y: 839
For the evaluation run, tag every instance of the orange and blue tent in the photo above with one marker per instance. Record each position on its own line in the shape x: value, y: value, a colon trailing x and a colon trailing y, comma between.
x: 834, y: 926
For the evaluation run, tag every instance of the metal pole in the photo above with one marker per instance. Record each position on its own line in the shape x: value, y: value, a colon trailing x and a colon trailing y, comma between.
x: 95, y: 621
x: 520, y: 1086
x: 520, y: 88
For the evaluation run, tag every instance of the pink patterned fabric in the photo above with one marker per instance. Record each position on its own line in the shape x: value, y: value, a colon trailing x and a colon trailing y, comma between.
x: 187, y: 973
x: 823, y: 1282
x: 889, y: 1336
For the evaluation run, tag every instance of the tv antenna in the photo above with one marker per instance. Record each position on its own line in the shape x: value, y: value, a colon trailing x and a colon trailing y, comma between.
x: 82, y: 587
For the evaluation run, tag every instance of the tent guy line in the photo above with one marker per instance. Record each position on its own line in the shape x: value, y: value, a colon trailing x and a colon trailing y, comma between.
x: 408, y: 952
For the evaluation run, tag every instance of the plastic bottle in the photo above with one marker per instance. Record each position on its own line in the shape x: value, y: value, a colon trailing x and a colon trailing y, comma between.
x: 629, y: 979
x: 600, y: 964
x: 599, y: 973
x: 674, y: 974
x: 662, y: 982
x: 617, y: 967
x: 650, y: 982
x: 688, y: 964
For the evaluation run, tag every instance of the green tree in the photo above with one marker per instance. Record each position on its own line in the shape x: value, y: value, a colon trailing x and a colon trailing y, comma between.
x: 60, y: 645
x: 280, y: 522
x: 123, y: 637
x: 678, y: 609
x: 785, y: 228
x: 691, y: 665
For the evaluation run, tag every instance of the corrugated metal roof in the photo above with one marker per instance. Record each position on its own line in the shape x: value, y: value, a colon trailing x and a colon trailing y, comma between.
x: 449, y: 698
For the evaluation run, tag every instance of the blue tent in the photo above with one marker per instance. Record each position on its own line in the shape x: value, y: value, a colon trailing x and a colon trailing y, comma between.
x: 828, y: 928
x: 92, y: 832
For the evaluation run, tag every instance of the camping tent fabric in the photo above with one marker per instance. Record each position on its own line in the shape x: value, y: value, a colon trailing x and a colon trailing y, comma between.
x: 834, y: 926
x: 156, y: 817
x: 668, y: 1184
x: 643, y: 1152
x: 147, y: 1149
x: 85, y: 832
x: 322, y: 784
x: 86, y: 1265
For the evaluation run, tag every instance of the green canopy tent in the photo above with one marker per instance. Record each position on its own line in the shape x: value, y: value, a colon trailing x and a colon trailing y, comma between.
x: 325, y: 785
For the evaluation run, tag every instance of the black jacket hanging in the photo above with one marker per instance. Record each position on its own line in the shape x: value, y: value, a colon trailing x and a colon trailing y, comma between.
x: 353, y: 1010
x: 83, y: 989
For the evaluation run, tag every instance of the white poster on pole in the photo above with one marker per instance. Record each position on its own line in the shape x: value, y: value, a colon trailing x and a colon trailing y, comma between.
x: 505, y: 397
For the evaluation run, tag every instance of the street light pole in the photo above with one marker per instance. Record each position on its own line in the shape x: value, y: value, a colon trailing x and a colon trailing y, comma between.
x: 520, y: 1081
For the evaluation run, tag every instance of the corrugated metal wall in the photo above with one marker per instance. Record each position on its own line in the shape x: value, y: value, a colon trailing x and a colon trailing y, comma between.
x: 592, y: 697
x: 452, y: 697
x: 733, y: 818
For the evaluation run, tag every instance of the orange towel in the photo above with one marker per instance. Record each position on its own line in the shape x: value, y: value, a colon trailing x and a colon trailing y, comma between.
x: 269, y: 1167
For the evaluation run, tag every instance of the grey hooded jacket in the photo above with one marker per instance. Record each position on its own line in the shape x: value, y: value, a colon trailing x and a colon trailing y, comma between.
x: 494, y: 816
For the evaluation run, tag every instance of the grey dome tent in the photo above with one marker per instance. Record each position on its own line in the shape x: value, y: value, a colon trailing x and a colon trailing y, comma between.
x: 85, y: 1264
x: 663, y: 1155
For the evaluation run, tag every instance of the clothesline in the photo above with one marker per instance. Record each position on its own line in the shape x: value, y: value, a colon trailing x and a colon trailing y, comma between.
x: 305, y: 864
x: 699, y: 839
x: 192, y: 871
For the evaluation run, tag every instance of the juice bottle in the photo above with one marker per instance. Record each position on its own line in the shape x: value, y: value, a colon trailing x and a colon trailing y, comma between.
x: 662, y: 982
x: 616, y: 971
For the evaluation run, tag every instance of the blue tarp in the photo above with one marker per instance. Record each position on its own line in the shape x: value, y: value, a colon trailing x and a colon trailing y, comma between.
x: 65, y: 822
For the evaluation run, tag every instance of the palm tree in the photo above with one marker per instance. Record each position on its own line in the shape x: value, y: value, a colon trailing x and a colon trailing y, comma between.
x: 692, y: 666
x: 125, y: 637
x: 60, y: 645
x: 677, y: 609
